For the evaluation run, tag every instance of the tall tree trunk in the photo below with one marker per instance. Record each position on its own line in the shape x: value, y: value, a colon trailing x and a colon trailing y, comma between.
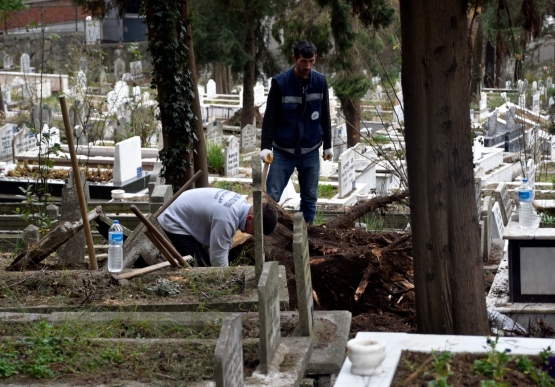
x: 446, y: 243
x: 247, y: 113
x: 200, y: 159
x: 476, y: 62
x: 351, y: 109
x: 217, y: 76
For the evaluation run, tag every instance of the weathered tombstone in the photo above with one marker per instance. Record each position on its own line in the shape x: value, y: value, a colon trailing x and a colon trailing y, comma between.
x: 52, y: 211
x: 508, y: 84
x: 398, y: 113
x: 25, y: 63
x: 483, y: 101
x: 119, y: 68
x: 503, y: 96
x: 31, y: 236
x: 136, y: 69
x: 259, y: 258
x: 269, y: 316
x: 136, y: 92
x: 41, y: 115
x: 551, y: 101
x: 231, y: 153
x: 536, y: 103
x: 211, y: 89
x: 6, y: 91
x: 215, y: 133
x: 81, y: 80
x: 159, y: 196
x: 6, y: 137
x: 73, y: 251
x: 505, y: 205
x: 487, y: 218
x: 478, y: 192
x: 346, y: 173
x: 127, y: 160
x: 248, y: 138
x: 510, y: 118
x: 471, y: 114
x: 520, y: 86
x: 228, y: 355
x: 259, y: 94
x: 498, y: 227
x: 522, y: 100
x: 24, y: 140
x: 43, y: 89
x: 339, y: 135
x: 8, y: 62
x: 303, y: 279
x: 525, y: 84
x: 549, y: 83
x: 492, y: 123
x: 534, y: 86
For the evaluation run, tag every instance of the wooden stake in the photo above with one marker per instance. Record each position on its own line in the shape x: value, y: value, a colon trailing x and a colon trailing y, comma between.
x: 77, y: 177
x: 161, y: 248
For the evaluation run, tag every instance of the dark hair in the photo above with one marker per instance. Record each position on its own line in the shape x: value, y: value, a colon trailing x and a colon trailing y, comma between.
x: 304, y: 48
x: 269, y: 218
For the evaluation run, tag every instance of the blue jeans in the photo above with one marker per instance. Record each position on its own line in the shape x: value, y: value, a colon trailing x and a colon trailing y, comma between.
x: 308, y: 168
x: 187, y: 245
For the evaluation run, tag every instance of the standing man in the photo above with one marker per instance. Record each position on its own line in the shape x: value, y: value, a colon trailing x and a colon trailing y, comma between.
x: 210, y: 217
x: 296, y: 122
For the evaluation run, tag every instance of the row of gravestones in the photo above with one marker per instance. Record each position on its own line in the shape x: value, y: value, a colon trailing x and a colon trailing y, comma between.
x: 24, y: 62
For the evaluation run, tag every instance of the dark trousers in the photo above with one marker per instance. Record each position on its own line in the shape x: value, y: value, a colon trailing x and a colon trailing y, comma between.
x: 187, y: 245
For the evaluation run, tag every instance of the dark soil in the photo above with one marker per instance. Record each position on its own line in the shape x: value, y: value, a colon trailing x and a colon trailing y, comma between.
x: 416, y: 369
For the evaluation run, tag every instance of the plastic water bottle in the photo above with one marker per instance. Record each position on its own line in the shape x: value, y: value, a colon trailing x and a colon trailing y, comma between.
x: 526, y: 209
x: 115, y: 250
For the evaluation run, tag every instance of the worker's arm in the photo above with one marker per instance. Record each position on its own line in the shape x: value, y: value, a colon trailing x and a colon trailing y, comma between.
x: 272, y: 116
x: 221, y: 238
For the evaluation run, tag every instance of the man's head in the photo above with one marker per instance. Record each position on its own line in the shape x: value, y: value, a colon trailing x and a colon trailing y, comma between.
x: 269, y: 219
x: 304, y: 56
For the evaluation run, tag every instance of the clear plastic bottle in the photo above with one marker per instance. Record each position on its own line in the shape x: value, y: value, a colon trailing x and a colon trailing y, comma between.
x: 526, y: 209
x: 115, y: 250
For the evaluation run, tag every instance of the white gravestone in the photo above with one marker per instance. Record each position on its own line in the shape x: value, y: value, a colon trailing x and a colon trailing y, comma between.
x: 522, y: 100
x: 531, y: 173
x: 211, y: 89
x: 25, y: 63
x: 510, y: 118
x: 231, y: 163
x: 346, y: 172
x: 549, y: 82
x: 398, y: 114
x: 520, y: 86
x: 497, y: 225
x: 6, y: 138
x: 119, y: 68
x: 127, y: 160
x: 508, y: 84
x: 536, y: 103
x: 228, y: 355
x: 259, y: 94
x: 483, y: 101
x: 24, y: 140
x: 6, y: 90
x: 136, y: 70
x: 534, y: 86
x: 339, y: 135
x: 44, y: 89
x: 8, y: 62
x: 215, y: 133
x: 551, y: 101
x: 268, y: 309
x: 248, y: 138
x: 526, y: 84
x: 81, y: 79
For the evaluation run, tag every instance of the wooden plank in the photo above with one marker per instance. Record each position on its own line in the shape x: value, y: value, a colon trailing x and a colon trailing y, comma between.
x: 144, y: 270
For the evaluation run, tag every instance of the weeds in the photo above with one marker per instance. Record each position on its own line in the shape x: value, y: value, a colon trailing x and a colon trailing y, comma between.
x: 326, y: 191
x: 442, y: 366
x: 547, y: 220
x: 215, y: 157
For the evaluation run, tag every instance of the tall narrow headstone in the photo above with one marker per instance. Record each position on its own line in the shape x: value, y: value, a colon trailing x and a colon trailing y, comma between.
x: 536, y: 103
x: 6, y: 137
x: 508, y: 84
x: 478, y: 191
x: 25, y: 63
x: 269, y: 316
x: 483, y: 101
x: 303, y: 279
x: 211, y: 89
x: 119, y: 68
x: 487, y: 218
x: 228, y: 355
x: 549, y: 83
x: 248, y: 138
x: 492, y: 123
x: 522, y: 100
x: 259, y: 94
x: 259, y: 257
x: 231, y: 153
x: 8, y: 62
x: 534, y: 86
x: 510, y: 118
x: 346, y: 173
x: 498, y: 228
x: 6, y: 91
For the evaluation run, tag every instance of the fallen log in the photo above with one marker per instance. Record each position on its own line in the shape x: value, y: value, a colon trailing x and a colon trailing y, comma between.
x: 51, y: 241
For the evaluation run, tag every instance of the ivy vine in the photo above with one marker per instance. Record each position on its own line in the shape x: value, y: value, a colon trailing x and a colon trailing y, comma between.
x: 167, y: 30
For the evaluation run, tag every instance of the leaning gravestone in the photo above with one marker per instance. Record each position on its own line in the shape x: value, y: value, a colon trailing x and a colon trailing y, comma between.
x: 487, y: 218
x: 228, y: 355
x: 505, y: 205
x: 498, y: 228
x: 127, y: 160
x: 73, y: 251
x: 231, y: 153
x: 258, y: 226
x: 346, y: 173
x: 268, y: 310
x: 215, y: 133
x: 6, y: 137
x: 510, y: 118
x: 303, y: 279
x: 248, y: 138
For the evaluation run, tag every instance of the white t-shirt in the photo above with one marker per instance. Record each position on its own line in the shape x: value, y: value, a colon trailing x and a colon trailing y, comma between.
x: 210, y: 215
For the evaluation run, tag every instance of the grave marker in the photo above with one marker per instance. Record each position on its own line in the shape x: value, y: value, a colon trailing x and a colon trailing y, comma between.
x: 487, y: 218
x: 478, y: 193
x: 398, y: 114
x: 25, y: 63
x: 248, y: 138
x: 303, y: 279
x: 505, y: 205
x: 510, y: 118
x: 531, y: 173
x: 8, y: 62
x: 127, y: 160
x: 346, y: 172
x: 259, y: 94
x: 211, y: 89
x: 24, y: 140
x: 6, y: 91
x: 536, y: 103
x: 492, y: 123
x: 522, y: 100
x: 6, y: 137
x: 549, y: 83
x: 339, y: 135
x: 119, y: 68
x: 231, y: 153
x: 215, y: 133
x: 268, y: 309
x: 508, y: 84
x: 136, y: 70
x: 483, y: 101
x: 498, y: 228
x: 525, y: 84
x: 258, y: 215
x: 228, y: 355
x: 534, y: 86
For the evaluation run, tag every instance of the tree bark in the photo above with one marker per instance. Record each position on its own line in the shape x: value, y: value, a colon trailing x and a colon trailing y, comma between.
x: 247, y: 112
x: 200, y: 159
x: 351, y: 109
x: 446, y: 242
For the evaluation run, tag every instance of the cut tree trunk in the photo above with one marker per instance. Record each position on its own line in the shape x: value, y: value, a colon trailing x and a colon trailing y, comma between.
x: 50, y: 242
x: 448, y: 275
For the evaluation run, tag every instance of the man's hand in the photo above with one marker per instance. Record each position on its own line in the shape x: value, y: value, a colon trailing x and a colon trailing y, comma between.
x: 267, y: 156
x: 328, y: 154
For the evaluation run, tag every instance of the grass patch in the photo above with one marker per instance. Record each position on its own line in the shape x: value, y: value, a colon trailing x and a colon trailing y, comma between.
x: 235, y: 186
x: 325, y: 191
x: 216, y: 158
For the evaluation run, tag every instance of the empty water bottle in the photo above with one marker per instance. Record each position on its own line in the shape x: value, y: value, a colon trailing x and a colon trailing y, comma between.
x: 525, y: 209
x: 115, y: 249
